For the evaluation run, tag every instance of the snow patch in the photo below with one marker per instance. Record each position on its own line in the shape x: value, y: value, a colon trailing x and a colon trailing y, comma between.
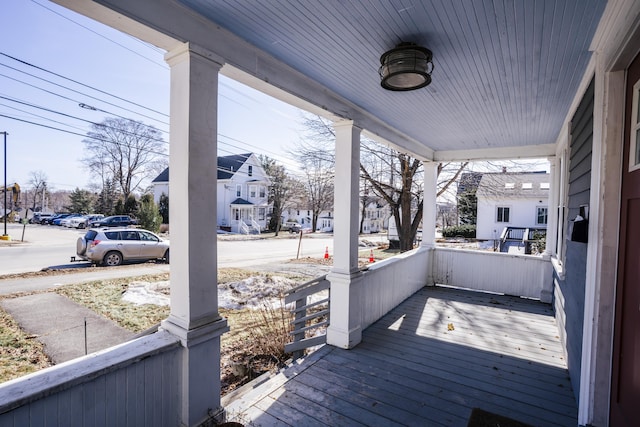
x: 254, y: 292
x: 148, y: 293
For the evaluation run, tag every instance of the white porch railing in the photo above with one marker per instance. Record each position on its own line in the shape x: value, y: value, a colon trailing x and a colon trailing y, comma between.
x: 135, y: 383
x: 243, y: 228
x: 519, y: 275
x: 387, y: 283
x: 256, y: 226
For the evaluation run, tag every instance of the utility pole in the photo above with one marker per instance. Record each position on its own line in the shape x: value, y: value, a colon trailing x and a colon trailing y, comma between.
x: 5, y: 236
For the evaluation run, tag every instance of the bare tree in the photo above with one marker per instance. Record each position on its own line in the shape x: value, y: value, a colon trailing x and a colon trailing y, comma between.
x: 318, y: 177
x: 127, y: 152
x: 38, y: 183
x: 282, y: 191
x: 393, y: 176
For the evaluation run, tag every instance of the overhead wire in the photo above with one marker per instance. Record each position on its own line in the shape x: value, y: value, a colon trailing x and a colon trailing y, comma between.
x: 75, y: 91
x: 280, y: 157
x: 123, y: 144
x: 86, y: 106
x: 103, y: 36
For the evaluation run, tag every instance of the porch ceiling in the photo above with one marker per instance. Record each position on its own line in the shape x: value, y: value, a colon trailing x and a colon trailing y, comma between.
x: 505, y: 72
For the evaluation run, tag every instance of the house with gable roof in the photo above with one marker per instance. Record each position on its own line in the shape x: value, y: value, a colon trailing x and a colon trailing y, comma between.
x: 242, y: 193
x: 511, y: 200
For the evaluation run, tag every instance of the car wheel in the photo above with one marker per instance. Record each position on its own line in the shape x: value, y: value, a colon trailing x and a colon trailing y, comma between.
x: 112, y: 259
x: 81, y: 225
x: 81, y: 246
x: 166, y: 256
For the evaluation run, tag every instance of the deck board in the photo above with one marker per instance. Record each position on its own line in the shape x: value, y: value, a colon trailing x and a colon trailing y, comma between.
x: 503, y: 356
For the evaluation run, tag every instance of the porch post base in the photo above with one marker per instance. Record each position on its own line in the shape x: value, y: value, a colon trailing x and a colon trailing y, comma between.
x: 546, y: 296
x: 199, y: 386
x: 344, y: 339
x: 345, y: 330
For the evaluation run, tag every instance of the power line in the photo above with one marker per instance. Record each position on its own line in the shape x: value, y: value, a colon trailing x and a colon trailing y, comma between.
x: 81, y: 119
x: 103, y: 36
x: 78, y: 83
x: 72, y: 90
x: 115, y: 142
x: 83, y: 135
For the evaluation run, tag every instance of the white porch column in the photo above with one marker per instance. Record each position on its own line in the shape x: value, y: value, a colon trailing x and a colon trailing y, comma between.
x: 194, y: 314
x: 552, y: 213
x: 345, y: 330
x: 429, y: 206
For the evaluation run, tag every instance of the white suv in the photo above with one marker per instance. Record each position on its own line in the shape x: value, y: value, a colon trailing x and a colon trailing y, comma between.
x: 113, y: 246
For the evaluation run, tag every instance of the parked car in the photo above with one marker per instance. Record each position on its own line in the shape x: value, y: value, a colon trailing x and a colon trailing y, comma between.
x: 50, y: 219
x: 66, y: 221
x: 84, y: 220
x: 113, y: 246
x: 115, y: 221
x: 57, y: 219
x: 40, y: 218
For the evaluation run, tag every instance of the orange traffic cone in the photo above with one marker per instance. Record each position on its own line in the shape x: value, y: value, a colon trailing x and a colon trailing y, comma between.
x: 371, y: 258
x: 326, y: 253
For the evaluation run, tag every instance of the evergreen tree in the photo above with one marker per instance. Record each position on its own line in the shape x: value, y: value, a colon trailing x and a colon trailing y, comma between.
x: 80, y: 201
x: 119, y: 207
x: 107, y: 199
x: 148, y: 214
x: 163, y: 207
x: 468, y: 207
x: 131, y: 206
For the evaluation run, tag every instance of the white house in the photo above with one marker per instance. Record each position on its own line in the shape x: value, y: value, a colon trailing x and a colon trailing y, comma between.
x: 242, y: 193
x: 547, y: 79
x: 376, y: 217
x: 511, y: 200
x: 304, y: 217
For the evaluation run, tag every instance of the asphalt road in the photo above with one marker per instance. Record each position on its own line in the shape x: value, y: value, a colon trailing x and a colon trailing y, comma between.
x: 53, y: 247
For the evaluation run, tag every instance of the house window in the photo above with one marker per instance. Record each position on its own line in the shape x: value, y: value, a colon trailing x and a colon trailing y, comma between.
x: 261, y: 214
x: 250, y: 170
x: 541, y: 216
x: 252, y: 191
x: 503, y: 214
x: 238, y: 190
x: 263, y: 192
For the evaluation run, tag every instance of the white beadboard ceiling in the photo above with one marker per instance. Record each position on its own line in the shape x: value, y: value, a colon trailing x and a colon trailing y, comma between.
x: 505, y: 71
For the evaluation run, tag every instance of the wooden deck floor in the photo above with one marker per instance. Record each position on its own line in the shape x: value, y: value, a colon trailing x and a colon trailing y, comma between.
x: 430, y: 361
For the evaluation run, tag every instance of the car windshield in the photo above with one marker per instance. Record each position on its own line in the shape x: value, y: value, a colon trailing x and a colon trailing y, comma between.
x: 91, y: 234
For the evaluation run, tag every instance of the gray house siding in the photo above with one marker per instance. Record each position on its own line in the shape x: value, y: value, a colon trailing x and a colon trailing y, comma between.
x: 569, y: 293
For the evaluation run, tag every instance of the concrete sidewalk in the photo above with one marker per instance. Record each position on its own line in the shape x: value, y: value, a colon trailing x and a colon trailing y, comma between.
x: 59, y: 324
x: 30, y: 284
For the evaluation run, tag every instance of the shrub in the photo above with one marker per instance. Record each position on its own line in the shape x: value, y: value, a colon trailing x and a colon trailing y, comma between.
x: 467, y: 231
x: 148, y: 214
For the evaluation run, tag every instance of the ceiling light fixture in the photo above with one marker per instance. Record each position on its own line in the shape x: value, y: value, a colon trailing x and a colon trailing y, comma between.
x: 406, y: 67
